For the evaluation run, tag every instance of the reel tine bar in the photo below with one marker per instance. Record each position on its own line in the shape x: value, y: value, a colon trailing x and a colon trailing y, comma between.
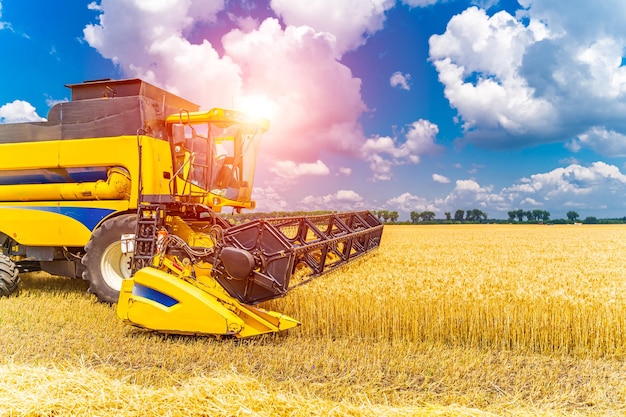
x: 281, y: 245
x: 326, y: 242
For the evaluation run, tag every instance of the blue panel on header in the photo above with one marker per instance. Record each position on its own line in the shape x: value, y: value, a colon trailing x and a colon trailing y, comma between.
x: 154, y: 295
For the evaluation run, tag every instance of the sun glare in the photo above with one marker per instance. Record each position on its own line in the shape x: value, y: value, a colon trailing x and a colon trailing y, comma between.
x: 258, y: 107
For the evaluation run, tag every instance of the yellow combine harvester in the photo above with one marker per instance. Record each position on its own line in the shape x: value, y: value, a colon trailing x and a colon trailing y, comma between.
x: 123, y: 187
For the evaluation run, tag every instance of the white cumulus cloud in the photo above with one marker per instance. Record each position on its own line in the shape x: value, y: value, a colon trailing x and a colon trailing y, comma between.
x: 19, y: 111
x: 478, y: 59
x: 408, y: 202
x: 441, y: 179
x: 159, y: 52
x: 270, y: 199
x: 345, y: 171
x: 382, y: 153
x: 400, y: 80
x: 292, y: 170
x: 342, y: 200
x: 602, y: 141
x: 536, y: 77
x: 576, y: 179
x: 349, y: 22
x: 574, y: 185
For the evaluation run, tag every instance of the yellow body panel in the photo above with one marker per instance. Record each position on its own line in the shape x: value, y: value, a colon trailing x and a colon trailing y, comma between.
x: 66, y: 213
x: 30, y: 155
x: 55, y: 224
x: 157, y: 300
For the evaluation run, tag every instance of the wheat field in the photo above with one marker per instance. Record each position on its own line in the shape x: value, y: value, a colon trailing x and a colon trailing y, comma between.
x: 470, y: 320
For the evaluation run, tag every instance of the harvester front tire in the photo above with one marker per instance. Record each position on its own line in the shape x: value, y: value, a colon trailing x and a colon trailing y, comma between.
x: 9, y: 278
x: 105, y: 263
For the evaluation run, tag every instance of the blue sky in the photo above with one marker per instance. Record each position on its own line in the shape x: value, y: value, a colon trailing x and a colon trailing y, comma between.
x: 406, y: 105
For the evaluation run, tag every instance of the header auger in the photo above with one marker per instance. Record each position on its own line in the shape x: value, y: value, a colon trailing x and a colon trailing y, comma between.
x: 124, y: 185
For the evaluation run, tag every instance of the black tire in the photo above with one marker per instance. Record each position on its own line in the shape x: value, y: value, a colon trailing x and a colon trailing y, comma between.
x: 105, y: 264
x: 9, y: 278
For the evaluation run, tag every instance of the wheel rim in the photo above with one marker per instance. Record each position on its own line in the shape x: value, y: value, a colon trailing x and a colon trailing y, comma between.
x: 115, y: 266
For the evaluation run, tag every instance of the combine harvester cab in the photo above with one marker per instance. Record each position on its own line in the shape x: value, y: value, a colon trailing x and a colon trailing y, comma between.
x: 124, y: 185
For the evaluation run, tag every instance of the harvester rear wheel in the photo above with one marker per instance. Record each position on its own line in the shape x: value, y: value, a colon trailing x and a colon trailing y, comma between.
x: 105, y: 263
x: 9, y: 278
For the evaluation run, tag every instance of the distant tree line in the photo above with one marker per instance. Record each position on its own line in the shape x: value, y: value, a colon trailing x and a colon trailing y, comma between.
x: 544, y: 217
x: 386, y: 216
x: 429, y: 217
x: 425, y: 217
x: 479, y: 216
x: 534, y: 215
